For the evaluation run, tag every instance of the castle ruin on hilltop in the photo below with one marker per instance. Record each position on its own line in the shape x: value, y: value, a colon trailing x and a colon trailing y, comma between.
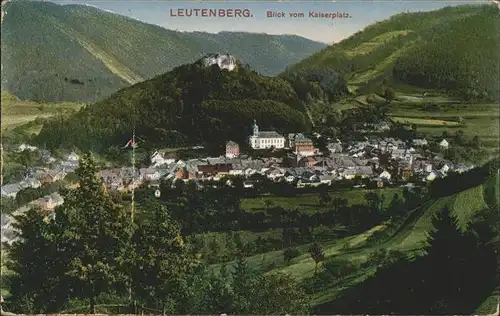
x: 224, y: 61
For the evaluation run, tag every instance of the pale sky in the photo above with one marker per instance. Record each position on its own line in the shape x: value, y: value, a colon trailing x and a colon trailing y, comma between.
x: 362, y: 14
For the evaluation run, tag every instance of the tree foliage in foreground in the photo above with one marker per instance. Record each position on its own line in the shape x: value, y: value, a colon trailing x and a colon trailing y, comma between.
x: 457, y: 273
x: 91, y: 250
x: 161, y: 262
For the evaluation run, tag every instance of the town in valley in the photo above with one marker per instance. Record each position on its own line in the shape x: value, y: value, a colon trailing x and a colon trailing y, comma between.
x: 182, y: 160
x: 295, y: 159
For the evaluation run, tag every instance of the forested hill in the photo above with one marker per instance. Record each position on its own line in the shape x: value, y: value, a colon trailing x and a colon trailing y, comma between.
x: 192, y: 103
x: 80, y: 53
x: 455, y: 49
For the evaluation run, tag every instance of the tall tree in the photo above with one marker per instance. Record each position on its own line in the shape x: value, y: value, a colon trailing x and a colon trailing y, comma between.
x: 33, y: 261
x: 374, y: 201
x: 216, y: 294
x: 317, y: 255
x: 389, y: 94
x: 238, y: 242
x: 453, y: 267
x: 476, y: 142
x: 94, y: 233
x: 243, y: 286
x: 230, y: 245
x: 396, y: 206
x: 163, y: 261
x: 289, y: 254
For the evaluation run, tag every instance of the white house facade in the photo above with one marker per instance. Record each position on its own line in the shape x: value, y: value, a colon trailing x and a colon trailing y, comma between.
x: 262, y: 140
x: 444, y: 143
x: 158, y: 159
x: 385, y: 175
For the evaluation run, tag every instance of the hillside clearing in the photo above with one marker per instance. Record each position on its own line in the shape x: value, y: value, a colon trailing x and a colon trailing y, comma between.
x: 309, y: 202
x: 17, y: 112
x: 110, y: 62
x: 418, y: 121
x: 368, y: 47
x: 476, y: 119
x: 467, y: 203
x: 380, y: 67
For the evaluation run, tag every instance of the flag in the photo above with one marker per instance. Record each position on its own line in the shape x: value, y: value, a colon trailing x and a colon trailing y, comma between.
x: 130, y: 143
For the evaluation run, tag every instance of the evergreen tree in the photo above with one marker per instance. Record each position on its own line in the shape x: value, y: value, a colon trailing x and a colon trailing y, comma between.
x: 199, y: 285
x: 243, y: 287
x: 324, y: 197
x: 456, y: 275
x: 214, y: 248
x: 389, y: 94
x: 230, y: 245
x: 238, y: 242
x: 317, y: 255
x: 442, y: 253
x: 396, y: 206
x: 289, y: 254
x: 164, y: 262
x: 220, y: 297
x: 93, y: 236
x: 33, y: 262
x: 476, y: 142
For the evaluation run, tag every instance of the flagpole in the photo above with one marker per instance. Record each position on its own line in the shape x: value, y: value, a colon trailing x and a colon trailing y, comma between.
x: 133, y: 174
x: 132, y: 211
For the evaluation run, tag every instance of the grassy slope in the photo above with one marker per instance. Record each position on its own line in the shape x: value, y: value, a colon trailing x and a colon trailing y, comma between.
x: 410, y: 107
x: 369, y: 55
x: 16, y: 112
x: 409, y: 238
x: 309, y: 203
x: 478, y: 119
x: 106, y: 51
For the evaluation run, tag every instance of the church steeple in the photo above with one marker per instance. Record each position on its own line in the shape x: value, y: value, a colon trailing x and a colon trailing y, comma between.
x: 255, y: 128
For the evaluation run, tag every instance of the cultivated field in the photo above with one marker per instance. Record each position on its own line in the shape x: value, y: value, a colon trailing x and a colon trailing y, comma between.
x: 309, y: 203
x: 423, y: 121
x: 17, y: 112
x: 473, y: 119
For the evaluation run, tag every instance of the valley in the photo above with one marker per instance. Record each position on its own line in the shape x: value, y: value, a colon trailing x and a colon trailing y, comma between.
x: 356, y: 178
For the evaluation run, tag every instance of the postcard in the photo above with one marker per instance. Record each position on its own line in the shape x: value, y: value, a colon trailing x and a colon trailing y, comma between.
x: 250, y: 157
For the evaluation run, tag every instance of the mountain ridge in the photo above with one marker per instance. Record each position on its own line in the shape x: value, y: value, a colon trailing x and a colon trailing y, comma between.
x: 443, y: 49
x: 107, y: 52
x: 201, y: 102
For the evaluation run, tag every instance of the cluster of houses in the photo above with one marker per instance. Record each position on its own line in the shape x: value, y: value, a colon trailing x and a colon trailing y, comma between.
x: 381, y: 160
x: 46, y: 204
x: 36, y: 177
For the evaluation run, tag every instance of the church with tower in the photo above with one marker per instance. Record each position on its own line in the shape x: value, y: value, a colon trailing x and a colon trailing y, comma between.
x: 268, y: 139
